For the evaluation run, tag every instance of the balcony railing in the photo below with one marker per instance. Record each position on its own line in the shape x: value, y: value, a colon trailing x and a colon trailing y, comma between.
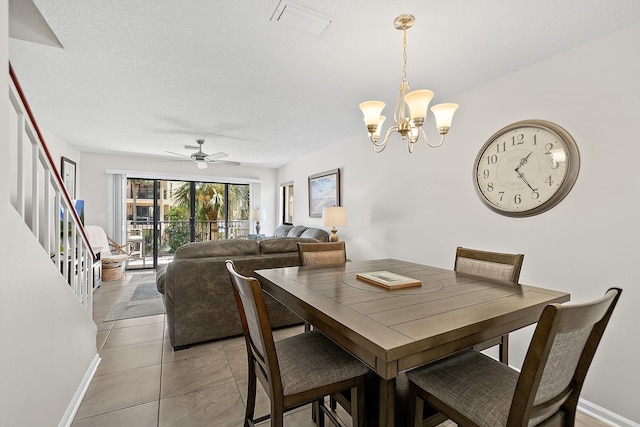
x: 176, y: 233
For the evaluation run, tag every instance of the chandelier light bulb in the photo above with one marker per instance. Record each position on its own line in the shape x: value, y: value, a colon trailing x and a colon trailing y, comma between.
x: 444, y: 114
x: 376, y: 134
x: 371, y: 111
x: 418, y: 102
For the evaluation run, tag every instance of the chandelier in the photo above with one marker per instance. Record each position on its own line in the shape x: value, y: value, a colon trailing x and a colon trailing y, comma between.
x: 415, y: 103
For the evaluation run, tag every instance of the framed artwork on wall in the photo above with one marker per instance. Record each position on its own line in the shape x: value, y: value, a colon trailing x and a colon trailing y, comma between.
x: 324, y: 191
x: 68, y: 173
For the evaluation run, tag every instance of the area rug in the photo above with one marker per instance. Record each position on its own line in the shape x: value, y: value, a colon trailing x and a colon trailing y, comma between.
x: 138, y: 298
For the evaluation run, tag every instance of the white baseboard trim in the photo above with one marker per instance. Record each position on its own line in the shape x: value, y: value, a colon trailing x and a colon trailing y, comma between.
x: 74, y: 405
x: 604, y: 415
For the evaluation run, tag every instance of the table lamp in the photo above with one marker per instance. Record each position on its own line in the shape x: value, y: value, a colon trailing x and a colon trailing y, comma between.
x: 257, y: 215
x: 335, y: 216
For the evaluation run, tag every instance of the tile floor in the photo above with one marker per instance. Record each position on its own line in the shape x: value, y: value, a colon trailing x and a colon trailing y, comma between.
x: 142, y: 382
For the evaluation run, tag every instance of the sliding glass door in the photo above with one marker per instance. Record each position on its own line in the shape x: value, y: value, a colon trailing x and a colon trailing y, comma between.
x: 163, y: 215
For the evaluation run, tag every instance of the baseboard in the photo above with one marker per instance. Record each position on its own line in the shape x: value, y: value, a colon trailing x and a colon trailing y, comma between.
x: 72, y: 409
x: 604, y: 415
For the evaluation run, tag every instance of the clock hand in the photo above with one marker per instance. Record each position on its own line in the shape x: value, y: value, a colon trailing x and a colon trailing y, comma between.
x: 521, y: 176
x: 523, y: 161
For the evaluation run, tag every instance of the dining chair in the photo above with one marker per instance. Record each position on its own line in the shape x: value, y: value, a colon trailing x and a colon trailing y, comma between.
x: 314, y: 254
x: 317, y: 254
x: 473, y: 389
x: 293, y: 371
x: 495, y: 266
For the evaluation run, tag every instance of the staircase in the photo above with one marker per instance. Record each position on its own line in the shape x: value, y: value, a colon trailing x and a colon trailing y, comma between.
x: 38, y: 195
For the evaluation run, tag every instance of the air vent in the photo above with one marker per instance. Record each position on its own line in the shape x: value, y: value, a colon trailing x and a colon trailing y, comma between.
x: 301, y: 17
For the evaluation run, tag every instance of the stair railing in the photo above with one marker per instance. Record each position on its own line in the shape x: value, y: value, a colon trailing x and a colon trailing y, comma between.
x: 39, y: 196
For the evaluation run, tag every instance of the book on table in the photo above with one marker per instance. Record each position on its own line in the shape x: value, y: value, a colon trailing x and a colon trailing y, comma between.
x: 388, y: 280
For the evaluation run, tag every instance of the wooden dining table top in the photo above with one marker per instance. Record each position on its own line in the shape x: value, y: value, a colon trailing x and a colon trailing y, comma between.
x: 395, y: 330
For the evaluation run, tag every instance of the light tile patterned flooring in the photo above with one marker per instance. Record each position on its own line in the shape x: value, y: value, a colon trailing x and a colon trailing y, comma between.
x: 142, y: 382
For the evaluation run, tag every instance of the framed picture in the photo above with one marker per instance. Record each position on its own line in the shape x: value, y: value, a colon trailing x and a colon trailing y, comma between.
x: 68, y: 172
x: 324, y: 191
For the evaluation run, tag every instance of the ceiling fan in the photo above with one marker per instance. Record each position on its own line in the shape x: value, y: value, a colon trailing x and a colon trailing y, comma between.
x: 203, y: 159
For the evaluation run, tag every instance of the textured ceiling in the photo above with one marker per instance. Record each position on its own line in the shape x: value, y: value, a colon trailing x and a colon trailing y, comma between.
x: 143, y: 77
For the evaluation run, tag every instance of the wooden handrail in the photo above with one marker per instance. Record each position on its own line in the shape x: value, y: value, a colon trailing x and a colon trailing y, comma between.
x: 32, y: 118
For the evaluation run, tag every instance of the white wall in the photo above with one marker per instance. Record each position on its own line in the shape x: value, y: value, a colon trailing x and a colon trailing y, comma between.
x: 58, y: 148
x: 419, y: 207
x: 93, y: 181
x: 48, y: 340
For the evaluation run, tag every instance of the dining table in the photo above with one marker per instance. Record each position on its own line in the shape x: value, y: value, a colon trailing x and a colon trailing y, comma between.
x: 394, y: 330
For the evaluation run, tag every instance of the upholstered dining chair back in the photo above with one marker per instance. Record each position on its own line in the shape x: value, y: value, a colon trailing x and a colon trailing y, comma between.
x: 295, y: 370
x: 257, y: 328
x: 473, y: 389
x: 559, y: 356
x: 498, y: 266
x: 492, y: 265
x: 314, y: 254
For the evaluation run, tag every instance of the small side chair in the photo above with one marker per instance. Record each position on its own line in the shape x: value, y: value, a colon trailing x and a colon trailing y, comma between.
x: 498, y: 266
x: 113, y: 255
x: 296, y: 370
x: 473, y: 389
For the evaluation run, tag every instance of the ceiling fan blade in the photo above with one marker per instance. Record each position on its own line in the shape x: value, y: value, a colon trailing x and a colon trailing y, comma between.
x: 178, y: 154
x: 176, y: 160
x: 226, y: 162
x: 191, y: 147
x: 216, y: 156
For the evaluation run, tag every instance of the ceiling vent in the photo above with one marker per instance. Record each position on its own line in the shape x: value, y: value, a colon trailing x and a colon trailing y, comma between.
x: 301, y: 17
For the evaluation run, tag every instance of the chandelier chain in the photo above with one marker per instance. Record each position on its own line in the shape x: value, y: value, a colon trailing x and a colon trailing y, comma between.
x: 404, y: 55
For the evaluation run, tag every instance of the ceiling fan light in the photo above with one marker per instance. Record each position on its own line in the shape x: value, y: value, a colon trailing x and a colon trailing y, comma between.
x: 418, y: 102
x: 201, y: 164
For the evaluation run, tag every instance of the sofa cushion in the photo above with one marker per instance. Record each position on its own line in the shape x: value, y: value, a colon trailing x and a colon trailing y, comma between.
x: 161, y: 277
x: 282, y: 244
x: 296, y: 231
x: 282, y: 230
x: 214, y: 248
x: 316, y: 233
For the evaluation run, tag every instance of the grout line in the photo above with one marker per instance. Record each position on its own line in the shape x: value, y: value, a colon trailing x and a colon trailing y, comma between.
x: 164, y: 327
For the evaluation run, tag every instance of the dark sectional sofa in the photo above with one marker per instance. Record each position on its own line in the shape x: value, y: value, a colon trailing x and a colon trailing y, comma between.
x: 197, y: 292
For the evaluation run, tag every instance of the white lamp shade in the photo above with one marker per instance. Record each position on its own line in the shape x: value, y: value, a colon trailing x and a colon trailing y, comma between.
x: 444, y: 114
x: 335, y: 216
x: 371, y: 111
x: 257, y: 215
x: 201, y: 164
x: 418, y: 102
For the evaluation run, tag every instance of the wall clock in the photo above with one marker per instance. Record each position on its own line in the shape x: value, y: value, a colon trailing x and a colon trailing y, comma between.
x: 526, y: 168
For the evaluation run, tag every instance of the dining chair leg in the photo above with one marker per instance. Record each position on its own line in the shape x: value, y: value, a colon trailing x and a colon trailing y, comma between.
x: 415, y: 407
x: 251, y: 395
x: 504, y: 349
x: 277, y: 415
x: 315, y: 407
x: 357, y: 399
